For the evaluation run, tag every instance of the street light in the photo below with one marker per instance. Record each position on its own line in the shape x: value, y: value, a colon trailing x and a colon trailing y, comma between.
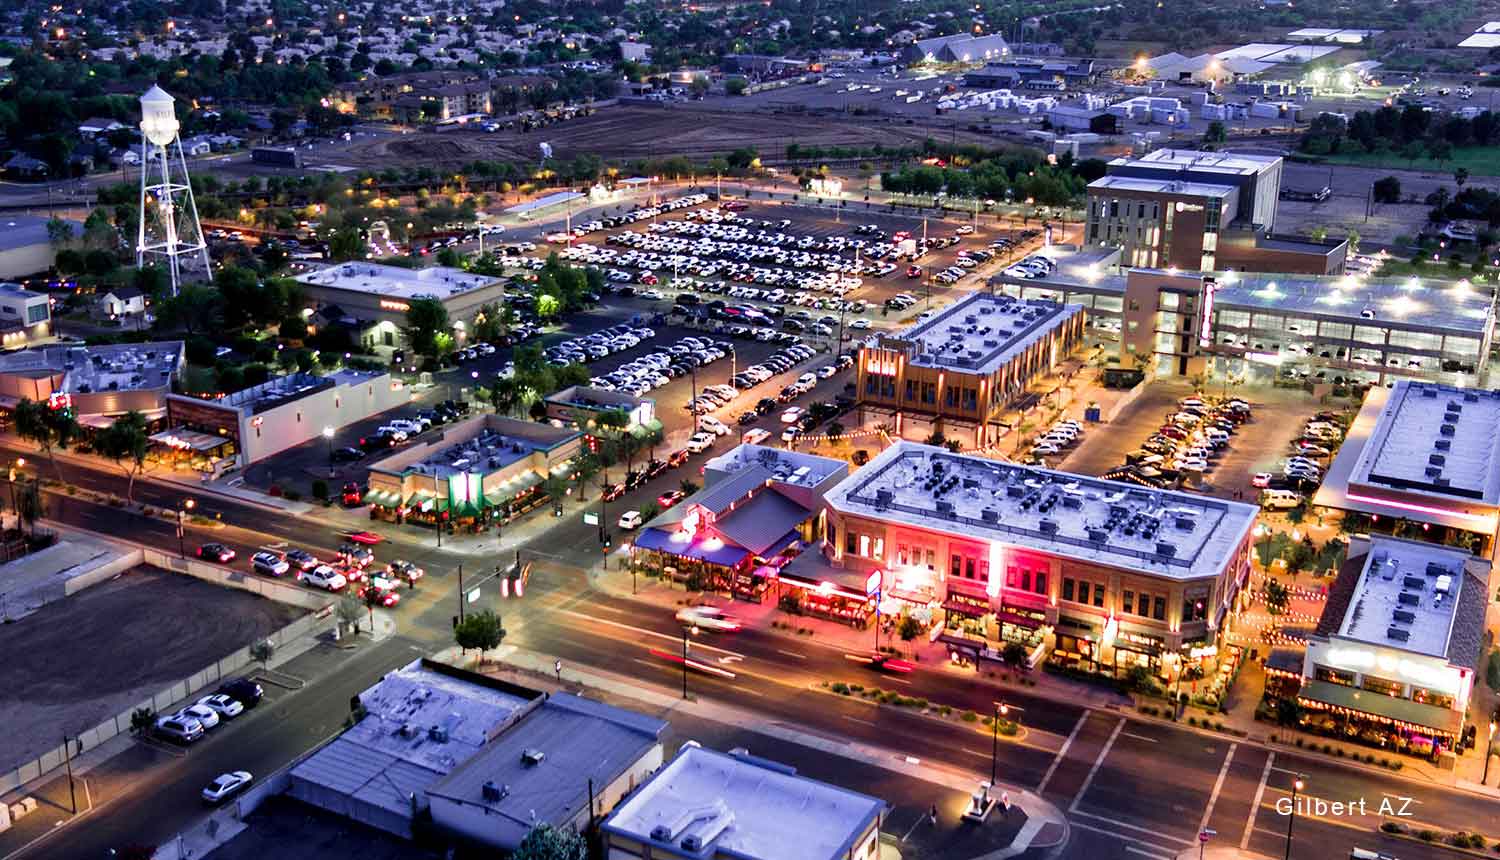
x: 999, y: 711
x: 686, y: 632
x: 19, y: 464
x: 1485, y: 780
x: 328, y: 434
x: 182, y: 507
x: 1297, y: 786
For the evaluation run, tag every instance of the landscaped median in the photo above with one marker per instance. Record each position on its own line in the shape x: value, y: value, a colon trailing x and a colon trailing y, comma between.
x: 1459, y: 840
x: 890, y: 698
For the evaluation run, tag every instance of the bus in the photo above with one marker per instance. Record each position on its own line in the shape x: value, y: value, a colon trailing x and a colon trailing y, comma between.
x: 276, y: 155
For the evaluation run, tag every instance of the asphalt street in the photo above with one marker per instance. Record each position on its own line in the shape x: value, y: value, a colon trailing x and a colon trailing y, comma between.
x: 1130, y: 788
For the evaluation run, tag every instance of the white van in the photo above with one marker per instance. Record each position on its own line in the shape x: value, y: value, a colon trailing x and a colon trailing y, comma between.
x: 1279, y: 500
x: 755, y: 436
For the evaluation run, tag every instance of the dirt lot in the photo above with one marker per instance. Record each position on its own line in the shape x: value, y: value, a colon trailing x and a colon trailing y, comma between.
x: 1345, y: 210
x: 78, y: 661
x: 636, y: 131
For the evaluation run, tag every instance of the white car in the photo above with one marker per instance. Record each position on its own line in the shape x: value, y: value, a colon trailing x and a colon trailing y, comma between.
x: 755, y: 436
x: 225, y: 706
x: 202, y: 713
x: 707, y: 618
x: 226, y: 784
x: 699, y: 442
x: 712, y: 425
x: 629, y: 520
x: 792, y: 415
x: 828, y: 371
x: 860, y: 325
x: 1042, y: 449
x: 324, y: 576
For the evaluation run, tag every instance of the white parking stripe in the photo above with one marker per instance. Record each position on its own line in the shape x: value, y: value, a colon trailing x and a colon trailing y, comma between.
x: 1098, y: 762
x: 1213, y: 797
x: 1260, y: 791
x: 1062, y: 753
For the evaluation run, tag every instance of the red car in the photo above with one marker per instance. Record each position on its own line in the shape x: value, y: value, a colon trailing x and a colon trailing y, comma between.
x: 882, y: 662
x: 387, y: 596
x: 613, y: 491
x: 366, y: 538
x: 668, y: 499
x: 677, y: 458
x: 914, y: 271
x: 353, y: 495
x: 649, y: 279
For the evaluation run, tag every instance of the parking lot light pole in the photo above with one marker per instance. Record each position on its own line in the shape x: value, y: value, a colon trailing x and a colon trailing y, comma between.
x: 1485, y: 780
x: 328, y: 435
x: 182, y: 507
x: 19, y: 464
x: 686, y: 632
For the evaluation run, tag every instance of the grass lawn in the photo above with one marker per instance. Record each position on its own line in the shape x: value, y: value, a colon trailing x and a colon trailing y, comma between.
x: 1480, y: 160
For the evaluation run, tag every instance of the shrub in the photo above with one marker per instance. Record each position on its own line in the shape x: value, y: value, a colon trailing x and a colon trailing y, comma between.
x: 1328, y: 749
x: 1339, y: 752
x: 1192, y: 721
x: 1391, y: 827
x: 856, y: 687
x: 841, y: 688
x: 1299, y: 742
x: 921, y: 703
x: 968, y: 716
x: 945, y: 710
x: 320, y: 489
x: 1427, y: 835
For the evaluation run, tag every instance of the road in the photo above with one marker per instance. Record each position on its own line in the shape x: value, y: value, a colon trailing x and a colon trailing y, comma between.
x: 1131, y: 788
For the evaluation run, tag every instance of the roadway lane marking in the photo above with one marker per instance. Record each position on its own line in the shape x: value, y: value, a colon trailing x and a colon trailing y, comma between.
x: 792, y: 654
x: 1165, y: 851
x: 1213, y: 797
x: 914, y: 826
x: 1134, y: 850
x: 1098, y: 762
x: 974, y: 752
x: 1157, y: 834
x: 858, y: 720
x: 1287, y: 772
x: 669, y: 637
x: 899, y: 681
x: 1063, y: 752
x: 1140, y: 737
x: 1260, y: 792
x: 754, y: 693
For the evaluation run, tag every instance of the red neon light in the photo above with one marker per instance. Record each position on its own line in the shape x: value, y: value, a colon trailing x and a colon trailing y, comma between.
x: 1421, y: 509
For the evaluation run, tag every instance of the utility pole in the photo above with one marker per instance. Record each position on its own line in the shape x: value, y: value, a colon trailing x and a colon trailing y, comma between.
x: 68, y: 759
x: 461, y: 595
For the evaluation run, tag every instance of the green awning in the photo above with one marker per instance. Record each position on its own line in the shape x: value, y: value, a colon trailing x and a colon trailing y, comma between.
x: 1326, y: 694
x: 426, y: 502
x: 466, y: 509
x: 496, y: 498
x: 383, y: 498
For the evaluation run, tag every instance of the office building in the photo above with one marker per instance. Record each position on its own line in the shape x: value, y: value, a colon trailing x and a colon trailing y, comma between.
x: 1098, y: 576
x: 1395, y: 654
x: 964, y: 366
x: 1421, y: 460
x: 707, y: 805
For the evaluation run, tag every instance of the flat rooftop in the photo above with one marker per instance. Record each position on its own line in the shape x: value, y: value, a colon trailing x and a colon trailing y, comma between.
x: 1160, y: 186
x: 1406, y: 597
x: 1407, y: 302
x: 481, y: 444
x: 578, y: 739
x: 1436, y: 440
x: 1172, y: 534
x: 781, y: 465
x: 275, y: 392
x: 1228, y: 163
x: 396, y: 283
x: 743, y: 807
x: 113, y: 367
x: 588, y: 397
x: 980, y: 332
x: 20, y: 231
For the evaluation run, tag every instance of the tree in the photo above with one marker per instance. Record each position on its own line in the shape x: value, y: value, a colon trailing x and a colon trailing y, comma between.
x: 49, y: 428
x: 59, y: 232
x: 1216, y: 133
x: 426, y: 321
x: 126, y: 441
x: 1461, y: 177
x: 546, y: 842
x: 909, y: 629
x: 736, y: 86
x: 350, y: 610
x: 194, y: 309
x: 1276, y: 597
x: 450, y: 258
x: 29, y: 501
x: 262, y: 651
x: 481, y: 630
x: 1013, y: 655
x: 372, y: 598
x: 346, y: 244
x: 585, y: 467
x: 142, y: 721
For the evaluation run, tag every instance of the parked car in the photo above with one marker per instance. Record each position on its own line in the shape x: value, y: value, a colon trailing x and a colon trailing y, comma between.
x: 225, y: 706
x: 670, y: 498
x: 243, y: 690
x: 629, y: 520
x: 179, y: 728
x: 226, y: 784
x: 216, y: 552
x: 269, y: 563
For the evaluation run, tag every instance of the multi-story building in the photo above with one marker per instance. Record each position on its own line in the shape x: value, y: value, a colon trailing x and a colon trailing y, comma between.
x: 1320, y: 329
x: 965, y: 365
x: 1101, y: 576
x: 1397, y: 649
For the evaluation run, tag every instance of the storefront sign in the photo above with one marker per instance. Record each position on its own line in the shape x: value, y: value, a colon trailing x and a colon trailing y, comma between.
x: 590, y: 518
x: 872, y: 583
x: 389, y: 305
x: 1201, y: 652
x: 1363, y: 659
x: 1206, y: 313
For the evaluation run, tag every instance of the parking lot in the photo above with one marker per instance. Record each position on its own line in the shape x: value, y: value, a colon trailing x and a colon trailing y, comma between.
x: 79, y: 661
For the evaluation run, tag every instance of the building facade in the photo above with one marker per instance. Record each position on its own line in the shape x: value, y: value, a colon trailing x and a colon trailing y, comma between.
x: 1089, y: 574
x: 378, y: 296
x: 964, y: 366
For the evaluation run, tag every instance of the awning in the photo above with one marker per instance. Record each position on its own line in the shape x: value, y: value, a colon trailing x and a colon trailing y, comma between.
x: 190, y: 440
x: 466, y: 508
x: 383, y: 498
x: 709, y: 550
x: 1020, y: 619
x: 1403, y: 712
x: 965, y: 608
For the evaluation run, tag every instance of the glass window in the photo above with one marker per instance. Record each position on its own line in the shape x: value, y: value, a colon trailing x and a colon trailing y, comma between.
x: 955, y: 565
x: 1098, y: 595
x: 1194, y: 609
x: 864, y: 545
x: 1159, y: 608
x: 1127, y: 601
x: 1384, y: 686
x: 1041, y: 582
x: 1333, y: 676
x: 1067, y: 589
x: 879, y: 549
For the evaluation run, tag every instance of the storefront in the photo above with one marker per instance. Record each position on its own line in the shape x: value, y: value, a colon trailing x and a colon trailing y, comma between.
x: 810, y: 585
x: 1076, y: 645
x: 192, y: 449
x: 1375, y: 719
x: 684, y: 556
x: 1134, y: 649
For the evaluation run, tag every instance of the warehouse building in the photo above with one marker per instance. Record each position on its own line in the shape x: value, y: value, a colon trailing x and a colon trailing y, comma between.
x: 964, y: 366
x: 958, y: 48
x: 26, y: 246
x: 1395, y: 654
x: 1093, y: 575
x: 1421, y: 460
x: 378, y: 296
x: 707, y: 805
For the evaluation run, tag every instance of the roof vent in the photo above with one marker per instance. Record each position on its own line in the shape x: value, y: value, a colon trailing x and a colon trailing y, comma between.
x: 1047, y: 527
x: 945, y: 507
x: 1436, y: 459
x: 532, y: 757
x: 1397, y: 634
x: 884, y: 497
x: 1447, y: 430
x: 1433, y: 471
x: 1184, y: 522
x: 990, y: 515
x: 1443, y: 444
x: 438, y: 735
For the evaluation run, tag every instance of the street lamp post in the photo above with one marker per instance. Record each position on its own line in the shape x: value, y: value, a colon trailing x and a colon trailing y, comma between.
x: 19, y: 464
x: 1297, y: 786
x: 686, y: 632
x: 182, y: 507
x: 328, y: 435
x: 1485, y: 780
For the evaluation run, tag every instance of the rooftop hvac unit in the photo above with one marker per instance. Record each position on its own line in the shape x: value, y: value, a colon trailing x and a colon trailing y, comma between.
x: 1447, y: 430
x: 1433, y: 471
x: 1098, y: 535
x: 1166, y: 549
x: 1443, y: 444
x: 1413, y: 582
x: 1406, y: 598
x: 1184, y: 523
x: 1047, y: 527
x: 884, y: 497
x: 1435, y: 569
x: 945, y: 507
x: 1471, y: 397
x: 1397, y: 634
x: 1436, y: 459
x: 1429, y: 392
x: 990, y: 515
x: 1404, y: 616
x: 437, y: 734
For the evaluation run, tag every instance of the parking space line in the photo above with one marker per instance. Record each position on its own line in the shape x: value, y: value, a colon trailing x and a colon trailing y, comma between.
x: 1213, y: 797
x: 1063, y: 752
x: 1155, y: 833
x: 1165, y: 851
x: 1098, y: 762
x: 1134, y: 850
x: 1260, y: 791
x: 1139, y: 737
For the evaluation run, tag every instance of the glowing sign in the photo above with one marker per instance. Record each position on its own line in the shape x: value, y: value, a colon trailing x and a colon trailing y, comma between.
x: 872, y: 583
x: 1361, y: 660
x: 389, y: 305
x: 1206, y: 313
x: 690, y: 522
x: 1421, y: 509
x: 59, y: 400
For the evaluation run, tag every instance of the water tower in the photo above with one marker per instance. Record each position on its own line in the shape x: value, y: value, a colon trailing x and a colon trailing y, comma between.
x: 169, y: 225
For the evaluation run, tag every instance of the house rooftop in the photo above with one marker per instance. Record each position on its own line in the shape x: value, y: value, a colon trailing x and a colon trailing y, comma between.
x: 980, y: 332
x: 395, y: 282
x: 1168, y: 533
x: 1436, y: 440
x: 710, y: 804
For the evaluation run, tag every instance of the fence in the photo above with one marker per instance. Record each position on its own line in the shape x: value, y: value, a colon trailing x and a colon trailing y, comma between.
x: 1130, y: 397
x: 272, y: 589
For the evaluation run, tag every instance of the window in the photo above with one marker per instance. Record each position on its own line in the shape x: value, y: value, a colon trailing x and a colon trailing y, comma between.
x: 911, y: 389
x: 1127, y: 602
x: 1098, y: 595
x: 1159, y: 608
x: 1025, y: 580
x: 1012, y: 577
x: 1041, y: 582
x: 849, y: 545
x: 1333, y: 676
x: 955, y: 566
x: 36, y: 314
x: 1384, y: 686
x: 929, y: 392
x: 1194, y: 608
x: 968, y: 568
x: 1067, y: 589
x: 879, y: 549
x: 864, y: 545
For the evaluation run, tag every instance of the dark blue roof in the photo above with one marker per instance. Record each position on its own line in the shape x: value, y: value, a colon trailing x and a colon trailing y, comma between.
x: 727, y: 555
